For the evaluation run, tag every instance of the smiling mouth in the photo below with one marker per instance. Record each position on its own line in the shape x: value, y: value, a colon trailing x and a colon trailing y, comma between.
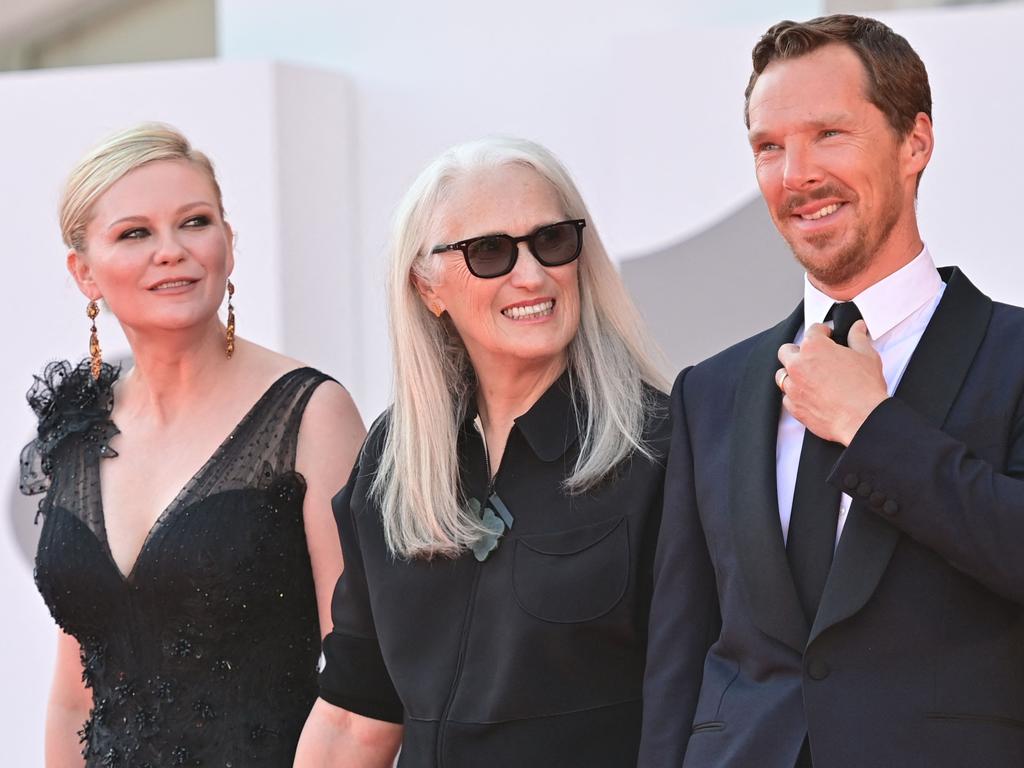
x: 172, y: 284
x: 821, y: 213
x: 530, y: 311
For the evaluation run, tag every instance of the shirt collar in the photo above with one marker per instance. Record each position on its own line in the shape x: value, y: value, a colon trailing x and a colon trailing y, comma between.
x: 550, y: 427
x: 888, y: 302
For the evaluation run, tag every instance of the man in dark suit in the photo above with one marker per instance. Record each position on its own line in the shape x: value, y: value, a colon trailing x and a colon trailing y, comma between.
x: 840, y: 572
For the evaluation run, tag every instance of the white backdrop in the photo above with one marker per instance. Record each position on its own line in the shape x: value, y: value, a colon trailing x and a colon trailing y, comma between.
x: 643, y: 105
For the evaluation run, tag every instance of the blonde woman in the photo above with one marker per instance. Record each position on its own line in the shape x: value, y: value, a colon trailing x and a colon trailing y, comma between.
x: 499, y: 528
x: 187, y: 550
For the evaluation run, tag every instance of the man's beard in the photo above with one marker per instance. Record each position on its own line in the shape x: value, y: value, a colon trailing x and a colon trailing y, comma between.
x: 848, y: 262
x: 852, y: 258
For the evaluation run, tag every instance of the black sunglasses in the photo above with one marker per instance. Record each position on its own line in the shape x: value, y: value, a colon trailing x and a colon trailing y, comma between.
x: 495, y: 255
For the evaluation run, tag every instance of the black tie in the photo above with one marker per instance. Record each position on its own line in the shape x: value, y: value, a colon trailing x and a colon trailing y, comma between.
x: 815, y: 514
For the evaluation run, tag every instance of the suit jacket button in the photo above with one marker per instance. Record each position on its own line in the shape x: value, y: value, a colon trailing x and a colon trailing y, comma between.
x: 877, y: 500
x: 817, y: 669
x: 890, y: 507
x: 850, y: 482
x: 864, y: 490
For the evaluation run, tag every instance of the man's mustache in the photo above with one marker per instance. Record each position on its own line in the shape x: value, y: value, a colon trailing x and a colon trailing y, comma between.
x: 797, y: 201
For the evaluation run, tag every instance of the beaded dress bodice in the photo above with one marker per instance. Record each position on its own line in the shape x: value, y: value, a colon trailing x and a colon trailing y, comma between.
x: 205, y: 654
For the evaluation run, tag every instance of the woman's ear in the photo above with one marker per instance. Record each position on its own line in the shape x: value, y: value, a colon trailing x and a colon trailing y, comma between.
x: 230, y: 266
x: 428, y: 295
x: 80, y: 270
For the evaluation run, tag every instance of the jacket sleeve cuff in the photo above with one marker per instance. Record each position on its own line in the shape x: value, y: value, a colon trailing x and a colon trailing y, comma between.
x: 356, y: 679
x: 891, y: 438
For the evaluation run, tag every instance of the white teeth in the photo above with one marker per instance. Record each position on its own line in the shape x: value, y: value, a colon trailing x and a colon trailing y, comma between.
x: 173, y: 284
x: 533, y: 310
x: 823, y: 212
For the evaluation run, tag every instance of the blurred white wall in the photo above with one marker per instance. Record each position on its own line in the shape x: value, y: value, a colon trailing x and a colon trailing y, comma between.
x: 54, y: 33
x: 154, y: 30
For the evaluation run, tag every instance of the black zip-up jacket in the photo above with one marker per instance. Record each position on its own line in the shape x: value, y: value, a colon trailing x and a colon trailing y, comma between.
x: 533, y: 657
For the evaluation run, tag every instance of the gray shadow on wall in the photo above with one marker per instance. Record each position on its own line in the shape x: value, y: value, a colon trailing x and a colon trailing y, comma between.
x: 22, y: 511
x: 707, y: 292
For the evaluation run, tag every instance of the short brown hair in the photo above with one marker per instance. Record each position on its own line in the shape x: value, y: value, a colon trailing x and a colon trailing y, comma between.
x: 897, y: 82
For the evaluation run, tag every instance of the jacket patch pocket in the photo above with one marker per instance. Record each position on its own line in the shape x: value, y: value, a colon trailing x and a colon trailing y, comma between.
x: 711, y: 725
x: 572, y: 576
x: 959, y: 717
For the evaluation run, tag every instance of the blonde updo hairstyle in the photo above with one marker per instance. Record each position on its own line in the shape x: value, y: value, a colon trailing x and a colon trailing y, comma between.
x: 110, y: 161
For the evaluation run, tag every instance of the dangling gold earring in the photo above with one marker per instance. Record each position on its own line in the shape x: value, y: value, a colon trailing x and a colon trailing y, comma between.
x: 230, y: 333
x: 437, y: 309
x: 95, y: 353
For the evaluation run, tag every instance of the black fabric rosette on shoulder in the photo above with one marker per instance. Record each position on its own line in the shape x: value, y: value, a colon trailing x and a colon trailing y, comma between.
x: 69, y: 403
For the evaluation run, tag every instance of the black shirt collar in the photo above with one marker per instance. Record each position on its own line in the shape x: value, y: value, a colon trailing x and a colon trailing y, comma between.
x: 550, y: 427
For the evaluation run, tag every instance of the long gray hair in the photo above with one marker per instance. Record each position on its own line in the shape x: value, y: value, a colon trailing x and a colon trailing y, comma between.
x: 610, y: 360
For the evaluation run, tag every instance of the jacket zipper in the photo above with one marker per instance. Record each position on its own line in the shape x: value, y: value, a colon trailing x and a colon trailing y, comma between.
x: 458, y: 666
x: 467, y: 619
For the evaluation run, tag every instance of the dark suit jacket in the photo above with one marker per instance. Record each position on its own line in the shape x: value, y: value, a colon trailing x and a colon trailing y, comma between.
x: 916, y: 656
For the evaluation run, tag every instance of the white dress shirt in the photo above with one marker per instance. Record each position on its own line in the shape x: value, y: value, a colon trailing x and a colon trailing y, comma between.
x: 896, y: 311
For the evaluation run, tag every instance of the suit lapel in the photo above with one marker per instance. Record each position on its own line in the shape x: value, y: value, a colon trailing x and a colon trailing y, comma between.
x: 933, y: 378
x: 753, y: 492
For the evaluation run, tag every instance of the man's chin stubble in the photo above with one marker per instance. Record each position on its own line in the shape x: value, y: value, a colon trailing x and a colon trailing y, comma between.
x: 840, y: 269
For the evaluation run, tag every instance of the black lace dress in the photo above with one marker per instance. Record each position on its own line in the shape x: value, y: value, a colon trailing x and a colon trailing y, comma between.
x: 206, y: 653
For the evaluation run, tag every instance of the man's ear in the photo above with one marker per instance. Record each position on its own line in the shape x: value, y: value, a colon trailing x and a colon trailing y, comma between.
x: 918, y: 145
x: 82, y: 273
x: 428, y: 295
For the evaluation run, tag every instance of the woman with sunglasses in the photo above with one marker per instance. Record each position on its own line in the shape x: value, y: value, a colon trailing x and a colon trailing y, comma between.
x: 499, y: 527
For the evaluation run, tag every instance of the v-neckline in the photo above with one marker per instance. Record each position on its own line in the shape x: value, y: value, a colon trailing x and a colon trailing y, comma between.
x: 128, y: 578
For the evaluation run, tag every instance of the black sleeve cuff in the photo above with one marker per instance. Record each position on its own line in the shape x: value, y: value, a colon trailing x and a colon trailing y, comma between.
x: 884, y: 431
x: 356, y: 679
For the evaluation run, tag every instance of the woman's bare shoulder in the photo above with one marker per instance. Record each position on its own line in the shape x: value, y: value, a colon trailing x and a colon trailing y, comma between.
x: 264, y: 364
x: 330, y: 406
